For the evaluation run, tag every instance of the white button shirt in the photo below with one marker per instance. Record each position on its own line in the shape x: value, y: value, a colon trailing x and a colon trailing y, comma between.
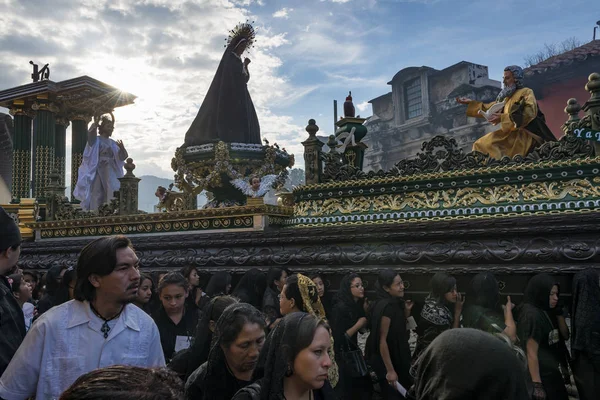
x: 66, y: 342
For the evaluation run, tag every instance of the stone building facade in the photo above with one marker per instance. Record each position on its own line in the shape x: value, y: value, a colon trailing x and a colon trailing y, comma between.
x: 422, y: 105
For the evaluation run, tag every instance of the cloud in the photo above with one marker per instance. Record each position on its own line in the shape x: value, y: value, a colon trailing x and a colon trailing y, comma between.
x: 363, y: 107
x: 164, y: 52
x: 283, y: 13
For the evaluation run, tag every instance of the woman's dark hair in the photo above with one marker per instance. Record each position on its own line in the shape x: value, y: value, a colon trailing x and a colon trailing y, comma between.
x: 33, y: 274
x: 292, y: 291
x: 187, y: 271
x: 251, y: 287
x: 484, y: 291
x: 97, y: 257
x: 68, y: 279
x: 124, y: 382
x: 146, y: 277
x: 315, y: 276
x: 228, y: 327
x: 36, y: 278
x: 52, y: 279
x: 198, y: 351
x: 274, y: 274
x: 172, y: 278
x: 440, y: 284
x: 294, y: 333
x: 218, y: 284
x: 386, y: 278
x: 344, y: 295
x: 538, y: 291
x: 232, y: 321
x: 15, y: 280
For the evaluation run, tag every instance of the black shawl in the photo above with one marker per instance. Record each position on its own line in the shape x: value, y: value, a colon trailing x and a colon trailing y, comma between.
x: 227, y: 113
x: 586, y: 312
x: 251, y: 288
x: 397, y: 337
x: 214, y: 380
x: 469, y: 364
x: 346, y: 312
x: 272, y: 364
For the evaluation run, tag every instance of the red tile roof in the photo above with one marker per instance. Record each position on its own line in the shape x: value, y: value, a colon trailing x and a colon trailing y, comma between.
x: 581, y: 53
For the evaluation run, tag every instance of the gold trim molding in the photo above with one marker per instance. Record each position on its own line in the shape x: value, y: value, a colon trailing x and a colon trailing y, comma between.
x: 464, y: 197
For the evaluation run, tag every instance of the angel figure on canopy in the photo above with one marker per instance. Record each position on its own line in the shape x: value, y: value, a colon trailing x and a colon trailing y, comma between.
x: 255, y: 186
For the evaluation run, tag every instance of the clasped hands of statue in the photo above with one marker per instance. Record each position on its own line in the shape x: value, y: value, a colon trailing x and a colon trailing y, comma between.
x: 495, y: 118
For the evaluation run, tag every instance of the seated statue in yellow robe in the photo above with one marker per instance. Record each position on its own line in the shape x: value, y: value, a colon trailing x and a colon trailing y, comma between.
x: 522, y: 125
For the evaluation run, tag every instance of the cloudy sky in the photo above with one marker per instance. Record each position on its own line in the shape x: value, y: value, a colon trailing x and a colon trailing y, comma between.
x: 308, y: 52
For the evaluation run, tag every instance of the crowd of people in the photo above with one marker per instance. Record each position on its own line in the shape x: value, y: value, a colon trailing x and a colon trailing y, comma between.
x: 103, y: 330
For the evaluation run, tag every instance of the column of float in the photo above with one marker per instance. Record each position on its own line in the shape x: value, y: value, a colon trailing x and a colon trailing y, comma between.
x: 78, y: 140
x: 60, y: 148
x: 44, y: 130
x: 21, y: 172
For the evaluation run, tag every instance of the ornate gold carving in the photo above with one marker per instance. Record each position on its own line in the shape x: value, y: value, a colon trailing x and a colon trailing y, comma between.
x: 21, y: 174
x: 464, y: 197
x: 60, y: 168
x: 575, y: 162
x: 577, y: 188
x: 62, y: 120
x: 76, y: 159
x: 44, y: 162
x: 446, y: 218
x: 193, y: 177
x: 80, y: 117
x: 28, y: 212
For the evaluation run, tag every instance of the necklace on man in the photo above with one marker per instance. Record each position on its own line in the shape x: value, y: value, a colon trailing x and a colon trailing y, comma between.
x: 105, y: 329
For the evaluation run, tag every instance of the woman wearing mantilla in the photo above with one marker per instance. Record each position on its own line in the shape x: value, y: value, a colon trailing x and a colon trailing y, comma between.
x: 522, y: 126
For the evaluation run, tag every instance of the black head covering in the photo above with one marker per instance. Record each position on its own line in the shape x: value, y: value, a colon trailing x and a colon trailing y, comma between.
x: 537, y: 292
x: 217, y: 383
x: 586, y: 309
x: 485, y: 291
x: 217, y: 285
x: 441, y: 372
x: 439, y: 285
x: 9, y: 231
x: 52, y: 279
x: 344, y: 295
x: 251, y: 288
x: 274, y: 358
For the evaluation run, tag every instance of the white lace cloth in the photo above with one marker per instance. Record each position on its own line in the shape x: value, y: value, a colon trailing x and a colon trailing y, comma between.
x: 66, y: 342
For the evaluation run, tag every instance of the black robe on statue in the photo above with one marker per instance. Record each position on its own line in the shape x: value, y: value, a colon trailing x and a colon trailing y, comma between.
x: 227, y: 113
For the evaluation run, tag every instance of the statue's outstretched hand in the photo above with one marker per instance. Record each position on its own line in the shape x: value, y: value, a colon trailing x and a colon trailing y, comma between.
x: 463, y: 100
x: 247, y: 61
x: 120, y: 144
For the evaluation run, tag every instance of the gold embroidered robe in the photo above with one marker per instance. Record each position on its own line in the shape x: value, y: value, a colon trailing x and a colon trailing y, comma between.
x: 508, y: 140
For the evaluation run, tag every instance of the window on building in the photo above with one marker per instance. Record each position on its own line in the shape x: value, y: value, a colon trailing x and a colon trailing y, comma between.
x: 412, y: 98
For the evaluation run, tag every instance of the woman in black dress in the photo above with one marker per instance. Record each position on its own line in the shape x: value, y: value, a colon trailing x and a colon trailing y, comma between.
x: 348, y: 318
x: 176, y: 323
x: 324, y: 295
x: 251, y: 288
x: 219, y: 284
x: 270, y: 304
x: 441, y: 311
x: 539, y: 338
x: 387, y: 346
x: 585, y: 340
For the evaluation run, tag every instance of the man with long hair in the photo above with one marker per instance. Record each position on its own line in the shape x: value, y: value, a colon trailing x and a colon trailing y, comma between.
x: 97, y: 329
x: 12, y: 322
